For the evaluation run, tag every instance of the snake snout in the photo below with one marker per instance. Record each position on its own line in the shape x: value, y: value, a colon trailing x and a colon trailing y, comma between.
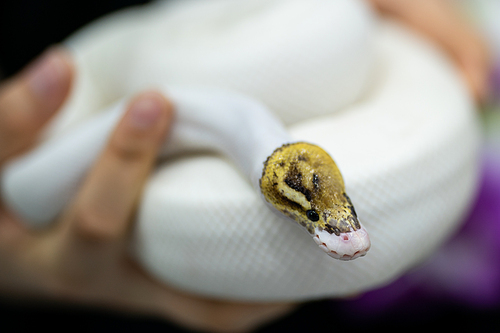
x: 346, y: 246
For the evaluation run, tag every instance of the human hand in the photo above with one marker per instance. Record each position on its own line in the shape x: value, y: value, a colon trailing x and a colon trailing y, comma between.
x: 83, y: 258
x: 441, y: 21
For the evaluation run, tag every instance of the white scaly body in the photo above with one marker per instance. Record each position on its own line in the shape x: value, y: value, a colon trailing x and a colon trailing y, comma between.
x: 390, y: 109
x: 201, y: 124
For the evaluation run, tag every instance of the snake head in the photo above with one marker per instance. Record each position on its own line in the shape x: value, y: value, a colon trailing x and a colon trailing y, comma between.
x: 303, y: 182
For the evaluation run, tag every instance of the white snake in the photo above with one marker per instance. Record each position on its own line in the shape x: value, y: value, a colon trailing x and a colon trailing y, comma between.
x: 390, y: 110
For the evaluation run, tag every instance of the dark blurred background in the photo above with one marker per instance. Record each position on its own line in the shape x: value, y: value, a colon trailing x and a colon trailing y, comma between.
x: 27, y: 27
x: 419, y: 300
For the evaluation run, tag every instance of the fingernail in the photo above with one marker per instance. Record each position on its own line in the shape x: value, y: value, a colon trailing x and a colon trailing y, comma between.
x: 146, y: 111
x: 46, y: 76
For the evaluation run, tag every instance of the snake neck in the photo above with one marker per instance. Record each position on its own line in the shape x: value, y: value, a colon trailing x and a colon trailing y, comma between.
x: 232, y: 124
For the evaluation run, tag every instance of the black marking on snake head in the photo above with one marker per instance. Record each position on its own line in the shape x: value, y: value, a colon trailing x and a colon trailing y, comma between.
x: 302, y: 158
x: 315, y: 181
x: 294, y: 181
x: 351, y: 206
x: 355, y: 222
x: 332, y: 230
x: 287, y: 202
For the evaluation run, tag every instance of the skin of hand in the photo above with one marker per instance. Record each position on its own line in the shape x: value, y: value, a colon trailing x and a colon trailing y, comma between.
x: 83, y: 258
x: 443, y: 23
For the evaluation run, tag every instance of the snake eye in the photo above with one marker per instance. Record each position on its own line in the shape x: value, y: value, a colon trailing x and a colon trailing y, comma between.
x: 312, y: 215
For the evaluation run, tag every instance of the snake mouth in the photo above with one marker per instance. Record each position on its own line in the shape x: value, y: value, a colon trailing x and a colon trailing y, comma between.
x: 346, y: 246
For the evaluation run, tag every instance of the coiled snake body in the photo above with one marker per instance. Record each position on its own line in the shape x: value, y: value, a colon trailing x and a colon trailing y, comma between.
x: 390, y: 109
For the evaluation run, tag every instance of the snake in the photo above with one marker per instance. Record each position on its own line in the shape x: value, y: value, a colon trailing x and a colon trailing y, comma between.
x: 299, y: 180
x: 307, y: 107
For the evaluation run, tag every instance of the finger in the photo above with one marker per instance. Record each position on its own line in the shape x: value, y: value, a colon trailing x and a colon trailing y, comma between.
x: 28, y: 100
x: 107, y: 200
x: 91, y: 235
x: 475, y: 63
x: 442, y: 22
x: 459, y: 38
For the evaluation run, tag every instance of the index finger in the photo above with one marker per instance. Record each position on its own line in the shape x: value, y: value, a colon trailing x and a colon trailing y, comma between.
x: 107, y: 199
x: 28, y: 100
x: 92, y: 232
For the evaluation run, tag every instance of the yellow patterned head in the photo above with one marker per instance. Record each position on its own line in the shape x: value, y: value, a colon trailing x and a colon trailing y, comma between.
x: 303, y: 182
